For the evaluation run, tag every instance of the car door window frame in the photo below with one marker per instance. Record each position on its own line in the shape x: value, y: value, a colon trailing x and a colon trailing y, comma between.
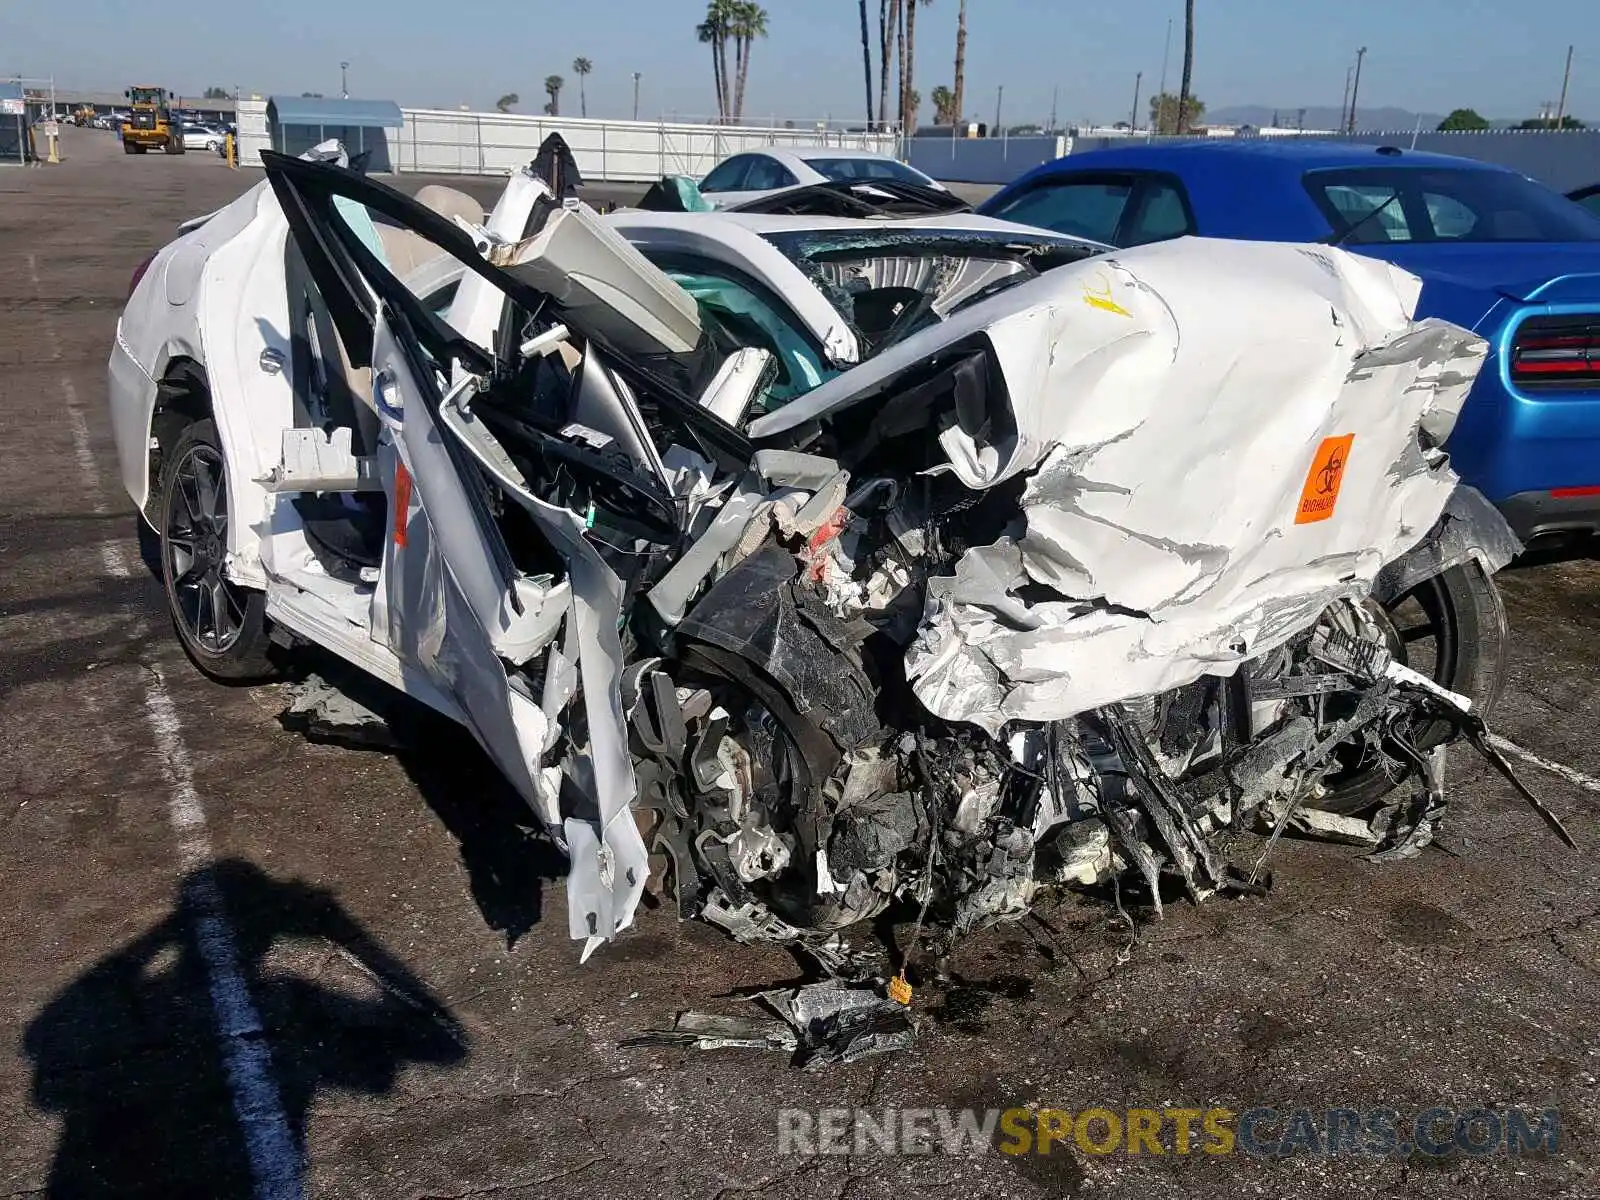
x: 780, y: 175
x: 744, y: 160
x: 349, y: 274
x: 1056, y: 182
x: 1147, y: 182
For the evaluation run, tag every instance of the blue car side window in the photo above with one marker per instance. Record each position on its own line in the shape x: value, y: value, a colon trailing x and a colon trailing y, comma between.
x: 1162, y: 215
x: 1089, y: 208
x: 1356, y: 202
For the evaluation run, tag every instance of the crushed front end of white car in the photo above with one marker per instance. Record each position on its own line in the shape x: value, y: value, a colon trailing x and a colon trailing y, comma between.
x: 804, y: 570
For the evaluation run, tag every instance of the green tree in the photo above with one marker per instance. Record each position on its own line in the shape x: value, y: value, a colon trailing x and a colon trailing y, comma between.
x: 1462, y: 120
x: 507, y: 102
x: 1550, y: 123
x: 944, y: 106
x: 552, y: 86
x: 581, y: 67
x: 1164, y: 112
x: 217, y: 93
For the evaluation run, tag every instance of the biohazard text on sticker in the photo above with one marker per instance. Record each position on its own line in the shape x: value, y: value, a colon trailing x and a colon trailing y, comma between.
x: 1321, y: 492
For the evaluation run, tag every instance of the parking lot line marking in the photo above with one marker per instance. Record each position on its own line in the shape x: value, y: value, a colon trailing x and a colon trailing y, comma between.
x: 110, y: 553
x: 246, y: 1059
x: 50, y: 334
x: 257, y: 1103
x: 1577, y: 778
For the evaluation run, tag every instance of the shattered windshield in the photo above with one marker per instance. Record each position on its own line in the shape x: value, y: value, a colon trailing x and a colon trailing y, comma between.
x: 891, y: 284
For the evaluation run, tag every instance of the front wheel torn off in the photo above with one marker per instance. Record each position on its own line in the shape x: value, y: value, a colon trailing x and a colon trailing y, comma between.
x: 736, y: 778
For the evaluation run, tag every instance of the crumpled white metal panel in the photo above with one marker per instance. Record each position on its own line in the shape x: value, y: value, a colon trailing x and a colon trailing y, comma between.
x: 1226, y: 437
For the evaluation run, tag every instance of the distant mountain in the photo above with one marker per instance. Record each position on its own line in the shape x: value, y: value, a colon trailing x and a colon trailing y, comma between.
x: 1322, y: 117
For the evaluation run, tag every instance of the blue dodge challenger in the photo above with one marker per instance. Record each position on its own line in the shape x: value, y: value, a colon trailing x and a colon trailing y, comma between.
x: 1498, y: 253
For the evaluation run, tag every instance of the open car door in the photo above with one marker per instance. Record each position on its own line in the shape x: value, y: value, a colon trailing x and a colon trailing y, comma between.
x: 493, y: 581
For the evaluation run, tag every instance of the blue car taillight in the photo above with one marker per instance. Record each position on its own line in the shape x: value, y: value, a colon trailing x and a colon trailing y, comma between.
x: 1550, y: 353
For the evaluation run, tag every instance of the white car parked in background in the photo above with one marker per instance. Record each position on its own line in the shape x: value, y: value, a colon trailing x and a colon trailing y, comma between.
x: 760, y: 173
x: 200, y: 137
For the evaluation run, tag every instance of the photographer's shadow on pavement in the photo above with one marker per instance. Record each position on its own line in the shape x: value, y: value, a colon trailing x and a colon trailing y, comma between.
x: 130, y: 1058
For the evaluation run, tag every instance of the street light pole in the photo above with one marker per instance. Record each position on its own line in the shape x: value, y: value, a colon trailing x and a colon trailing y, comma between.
x: 1561, y: 109
x: 998, y: 97
x: 1166, y: 55
x: 636, y: 95
x: 344, y: 80
x: 1133, y: 119
x: 1355, y: 88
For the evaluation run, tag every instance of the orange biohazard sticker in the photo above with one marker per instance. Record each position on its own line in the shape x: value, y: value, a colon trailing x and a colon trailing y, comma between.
x: 1321, y: 493
x: 402, y: 502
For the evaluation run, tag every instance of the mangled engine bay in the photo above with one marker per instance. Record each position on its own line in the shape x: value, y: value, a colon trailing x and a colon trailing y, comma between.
x: 1059, y: 583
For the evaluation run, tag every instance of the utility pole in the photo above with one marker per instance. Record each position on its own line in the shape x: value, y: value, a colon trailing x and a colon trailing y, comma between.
x: 998, y: 97
x: 636, y: 95
x: 1133, y: 120
x: 1055, y: 95
x: 1355, y: 88
x: 1344, y: 105
x: 1566, y: 78
x: 344, y: 80
x: 1166, y: 56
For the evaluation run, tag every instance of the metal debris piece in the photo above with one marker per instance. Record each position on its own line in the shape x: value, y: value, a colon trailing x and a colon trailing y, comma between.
x: 325, y: 712
x: 712, y: 1031
x: 822, y: 1023
x: 839, y: 1022
x: 1319, y: 823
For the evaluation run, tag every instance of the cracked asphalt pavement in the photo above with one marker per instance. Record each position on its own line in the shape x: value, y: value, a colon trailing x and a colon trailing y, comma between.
x: 400, y: 927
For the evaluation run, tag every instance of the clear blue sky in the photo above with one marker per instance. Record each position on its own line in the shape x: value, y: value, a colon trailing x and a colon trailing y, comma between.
x: 1426, y: 55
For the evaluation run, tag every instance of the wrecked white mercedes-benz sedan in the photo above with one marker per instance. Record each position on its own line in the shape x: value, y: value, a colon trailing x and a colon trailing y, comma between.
x: 809, y: 565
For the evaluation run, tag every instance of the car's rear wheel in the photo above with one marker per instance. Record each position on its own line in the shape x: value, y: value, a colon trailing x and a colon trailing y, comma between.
x: 222, y: 626
x: 1452, y: 628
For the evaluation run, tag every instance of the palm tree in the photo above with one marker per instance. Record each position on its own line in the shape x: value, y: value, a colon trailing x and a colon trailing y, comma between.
x: 749, y: 22
x: 908, y: 115
x: 580, y: 67
x: 888, y: 18
x: 866, y: 59
x: 900, y: 57
x: 714, y: 31
x: 959, y: 99
x: 944, y: 103
x: 553, y: 85
x: 507, y: 102
x: 1188, y: 66
x: 708, y: 32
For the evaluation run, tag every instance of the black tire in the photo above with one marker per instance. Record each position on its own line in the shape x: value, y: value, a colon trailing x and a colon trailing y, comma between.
x: 222, y: 626
x: 129, y: 148
x: 1460, y: 642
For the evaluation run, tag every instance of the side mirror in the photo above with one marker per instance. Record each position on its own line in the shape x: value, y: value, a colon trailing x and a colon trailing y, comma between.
x: 127, y: 93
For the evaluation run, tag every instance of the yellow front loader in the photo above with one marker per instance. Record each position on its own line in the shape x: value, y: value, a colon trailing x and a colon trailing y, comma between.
x: 150, y: 125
